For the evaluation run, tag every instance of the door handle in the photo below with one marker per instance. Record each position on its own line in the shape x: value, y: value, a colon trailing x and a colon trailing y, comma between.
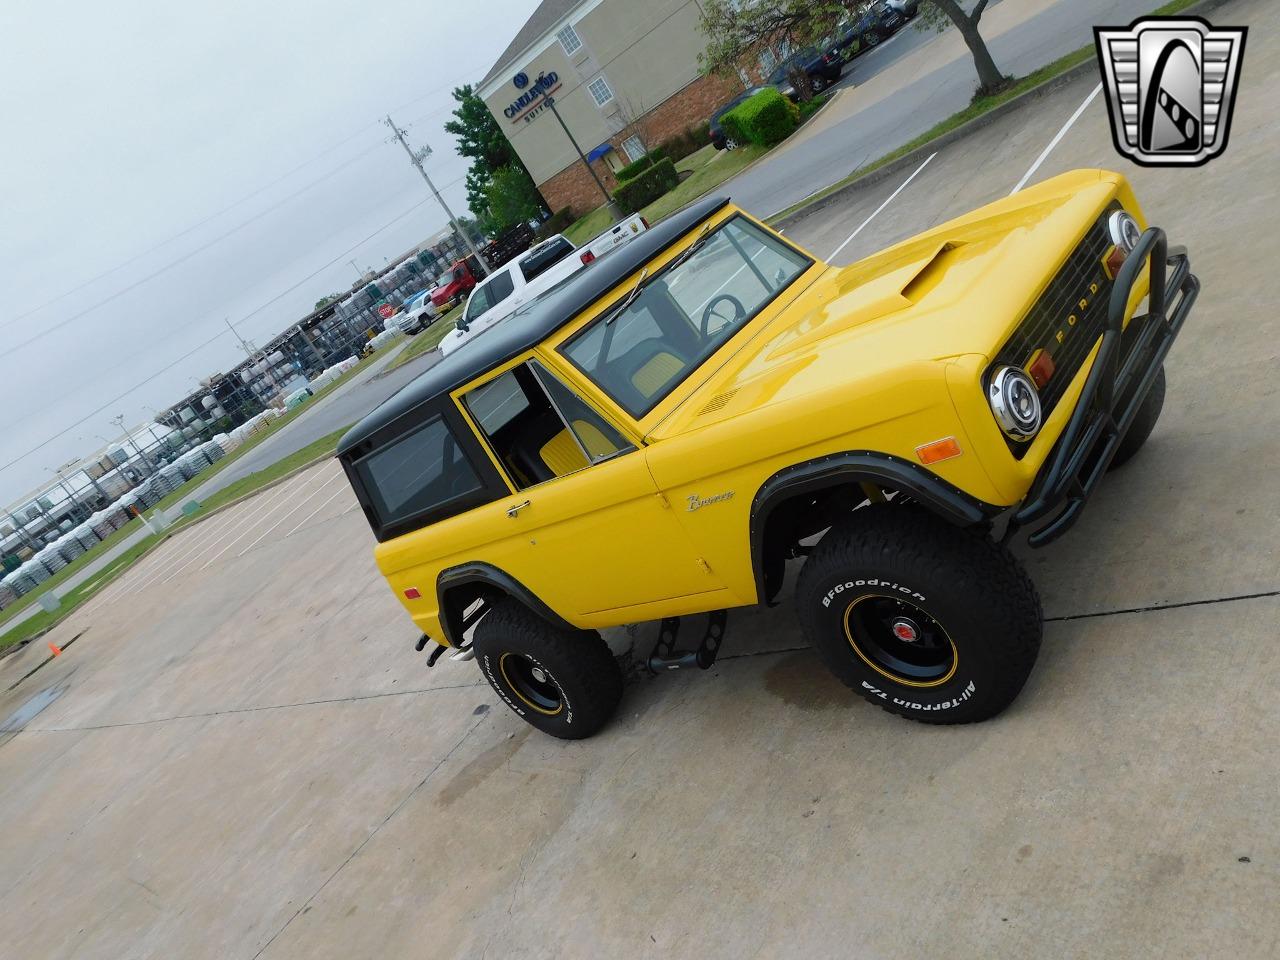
x: 516, y: 508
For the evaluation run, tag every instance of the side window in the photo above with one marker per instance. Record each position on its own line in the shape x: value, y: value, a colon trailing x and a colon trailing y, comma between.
x: 538, y: 428
x: 500, y: 287
x: 422, y: 472
x: 481, y: 300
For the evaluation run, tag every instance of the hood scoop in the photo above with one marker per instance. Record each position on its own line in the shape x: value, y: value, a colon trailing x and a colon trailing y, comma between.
x: 859, y: 300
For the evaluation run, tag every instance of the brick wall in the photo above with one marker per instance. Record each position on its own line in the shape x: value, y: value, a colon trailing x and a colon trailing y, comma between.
x: 693, y: 104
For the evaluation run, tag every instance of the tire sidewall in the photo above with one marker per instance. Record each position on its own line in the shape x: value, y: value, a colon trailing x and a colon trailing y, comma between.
x: 491, y: 666
x: 824, y: 608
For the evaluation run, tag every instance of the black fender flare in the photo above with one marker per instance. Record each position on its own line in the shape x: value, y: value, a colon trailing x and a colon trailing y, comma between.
x: 856, y: 466
x: 479, y: 572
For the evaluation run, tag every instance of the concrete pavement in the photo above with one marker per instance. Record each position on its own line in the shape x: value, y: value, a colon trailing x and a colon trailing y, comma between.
x: 910, y: 83
x: 250, y: 760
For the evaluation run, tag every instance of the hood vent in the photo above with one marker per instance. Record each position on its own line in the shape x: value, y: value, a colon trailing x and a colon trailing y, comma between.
x: 931, y: 272
x: 717, y: 402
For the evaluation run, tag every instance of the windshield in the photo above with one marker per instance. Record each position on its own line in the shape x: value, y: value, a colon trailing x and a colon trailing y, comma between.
x: 684, y: 314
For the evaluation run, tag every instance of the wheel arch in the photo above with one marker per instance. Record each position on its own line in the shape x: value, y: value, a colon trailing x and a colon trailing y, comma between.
x: 457, y: 588
x: 779, y: 497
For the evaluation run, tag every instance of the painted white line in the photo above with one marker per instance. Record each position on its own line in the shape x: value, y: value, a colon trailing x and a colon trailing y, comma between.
x: 1056, y: 140
x: 336, y: 493
x: 157, y: 565
x: 252, y: 521
x: 190, y: 543
x: 286, y: 515
x: 877, y: 210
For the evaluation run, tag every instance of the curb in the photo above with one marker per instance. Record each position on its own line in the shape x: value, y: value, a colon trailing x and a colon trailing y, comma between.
x: 916, y: 156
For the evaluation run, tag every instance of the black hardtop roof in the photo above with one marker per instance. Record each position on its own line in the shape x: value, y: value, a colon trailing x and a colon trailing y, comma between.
x: 513, y: 337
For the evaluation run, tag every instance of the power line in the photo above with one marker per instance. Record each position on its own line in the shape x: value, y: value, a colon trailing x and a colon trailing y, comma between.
x: 186, y: 256
x: 186, y: 230
x: 222, y: 333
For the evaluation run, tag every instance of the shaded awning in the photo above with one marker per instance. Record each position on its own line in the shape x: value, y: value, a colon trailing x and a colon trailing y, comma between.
x: 599, y: 151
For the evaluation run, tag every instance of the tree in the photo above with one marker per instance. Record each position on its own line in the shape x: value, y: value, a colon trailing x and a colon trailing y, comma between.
x: 482, y: 141
x: 736, y: 30
x: 511, y: 197
x: 325, y: 301
x: 937, y: 13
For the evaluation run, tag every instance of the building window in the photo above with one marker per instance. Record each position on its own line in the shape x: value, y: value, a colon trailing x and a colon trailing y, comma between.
x: 745, y: 78
x: 767, y: 61
x: 599, y: 88
x: 634, y: 147
x: 568, y: 38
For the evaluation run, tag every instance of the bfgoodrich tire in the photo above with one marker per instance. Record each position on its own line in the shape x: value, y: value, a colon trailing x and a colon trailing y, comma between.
x: 929, y: 621
x: 564, y: 682
x: 1142, y: 424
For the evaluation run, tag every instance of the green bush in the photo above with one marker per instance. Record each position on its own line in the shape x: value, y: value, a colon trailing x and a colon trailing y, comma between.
x: 765, y: 119
x: 646, y: 187
x: 558, y: 222
x: 633, y: 170
x: 732, y: 128
x: 691, y: 141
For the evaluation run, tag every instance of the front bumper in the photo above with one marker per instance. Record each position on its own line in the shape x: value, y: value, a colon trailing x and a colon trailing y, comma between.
x: 1126, y: 365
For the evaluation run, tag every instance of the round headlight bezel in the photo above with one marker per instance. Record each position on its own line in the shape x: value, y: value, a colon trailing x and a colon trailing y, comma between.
x: 1123, y: 230
x: 1015, y: 402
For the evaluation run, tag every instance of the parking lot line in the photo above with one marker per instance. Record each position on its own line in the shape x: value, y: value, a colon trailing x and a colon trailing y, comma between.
x: 285, y: 516
x: 249, y: 524
x: 182, y: 551
x: 336, y: 493
x: 1056, y: 139
x: 876, y: 212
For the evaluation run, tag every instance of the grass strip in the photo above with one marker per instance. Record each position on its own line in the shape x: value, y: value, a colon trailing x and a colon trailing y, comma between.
x: 428, y: 339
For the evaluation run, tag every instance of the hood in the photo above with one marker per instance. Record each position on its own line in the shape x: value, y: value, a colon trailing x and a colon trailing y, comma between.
x: 958, y: 289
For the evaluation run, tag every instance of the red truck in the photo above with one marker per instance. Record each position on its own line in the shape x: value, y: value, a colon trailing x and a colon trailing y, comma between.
x: 456, y: 283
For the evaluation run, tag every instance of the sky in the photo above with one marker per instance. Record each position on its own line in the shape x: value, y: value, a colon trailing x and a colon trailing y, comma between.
x: 166, y: 166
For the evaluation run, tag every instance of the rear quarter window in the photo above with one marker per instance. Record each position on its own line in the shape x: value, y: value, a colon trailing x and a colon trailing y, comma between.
x: 422, y: 475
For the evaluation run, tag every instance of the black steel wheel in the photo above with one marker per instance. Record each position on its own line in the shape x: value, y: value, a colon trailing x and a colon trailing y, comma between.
x: 565, y: 682
x: 929, y: 621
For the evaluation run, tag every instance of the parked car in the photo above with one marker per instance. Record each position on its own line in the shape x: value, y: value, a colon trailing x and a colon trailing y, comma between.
x: 418, y: 313
x: 518, y: 282
x: 823, y: 69
x: 718, y: 139
x: 456, y: 284
x: 906, y: 8
x: 672, y: 427
x: 880, y: 22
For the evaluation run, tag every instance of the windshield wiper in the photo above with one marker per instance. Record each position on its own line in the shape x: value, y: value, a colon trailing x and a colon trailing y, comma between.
x: 630, y: 298
x: 693, y: 247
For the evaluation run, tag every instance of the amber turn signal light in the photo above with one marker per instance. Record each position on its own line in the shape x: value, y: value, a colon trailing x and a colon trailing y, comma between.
x: 945, y: 449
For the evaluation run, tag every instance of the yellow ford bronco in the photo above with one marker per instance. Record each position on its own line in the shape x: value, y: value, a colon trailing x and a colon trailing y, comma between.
x: 660, y: 433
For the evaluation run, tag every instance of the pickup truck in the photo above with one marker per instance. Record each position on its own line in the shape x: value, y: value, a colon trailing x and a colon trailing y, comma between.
x: 456, y: 283
x: 515, y: 284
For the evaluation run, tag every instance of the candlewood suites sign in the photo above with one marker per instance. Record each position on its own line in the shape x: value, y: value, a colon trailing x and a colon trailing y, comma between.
x: 533, y: 95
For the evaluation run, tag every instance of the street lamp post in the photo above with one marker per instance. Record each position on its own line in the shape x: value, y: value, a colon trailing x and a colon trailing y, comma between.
x: 610, y: 204
x: 118, y: 420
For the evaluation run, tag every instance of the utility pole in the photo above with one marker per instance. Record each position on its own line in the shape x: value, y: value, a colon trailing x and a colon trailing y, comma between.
x: 610, y: 204
x: 359, y: 272
x: 416, y: 159
x: 118, y: 420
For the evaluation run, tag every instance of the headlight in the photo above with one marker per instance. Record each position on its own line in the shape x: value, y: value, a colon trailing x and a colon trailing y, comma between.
x: 1124, y: 230
x: 1015, y: 403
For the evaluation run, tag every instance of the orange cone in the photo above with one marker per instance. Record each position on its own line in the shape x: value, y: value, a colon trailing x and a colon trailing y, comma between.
x: 54, y: 649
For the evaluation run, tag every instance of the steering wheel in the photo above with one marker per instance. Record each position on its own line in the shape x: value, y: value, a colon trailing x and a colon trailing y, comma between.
x: 740, y: 312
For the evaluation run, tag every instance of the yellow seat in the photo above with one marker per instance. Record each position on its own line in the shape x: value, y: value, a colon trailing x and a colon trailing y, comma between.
x: 562, y: 455
x: 656, y: 373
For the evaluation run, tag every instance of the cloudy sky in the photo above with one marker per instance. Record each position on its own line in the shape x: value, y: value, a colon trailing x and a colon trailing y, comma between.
x: 168, y: 165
